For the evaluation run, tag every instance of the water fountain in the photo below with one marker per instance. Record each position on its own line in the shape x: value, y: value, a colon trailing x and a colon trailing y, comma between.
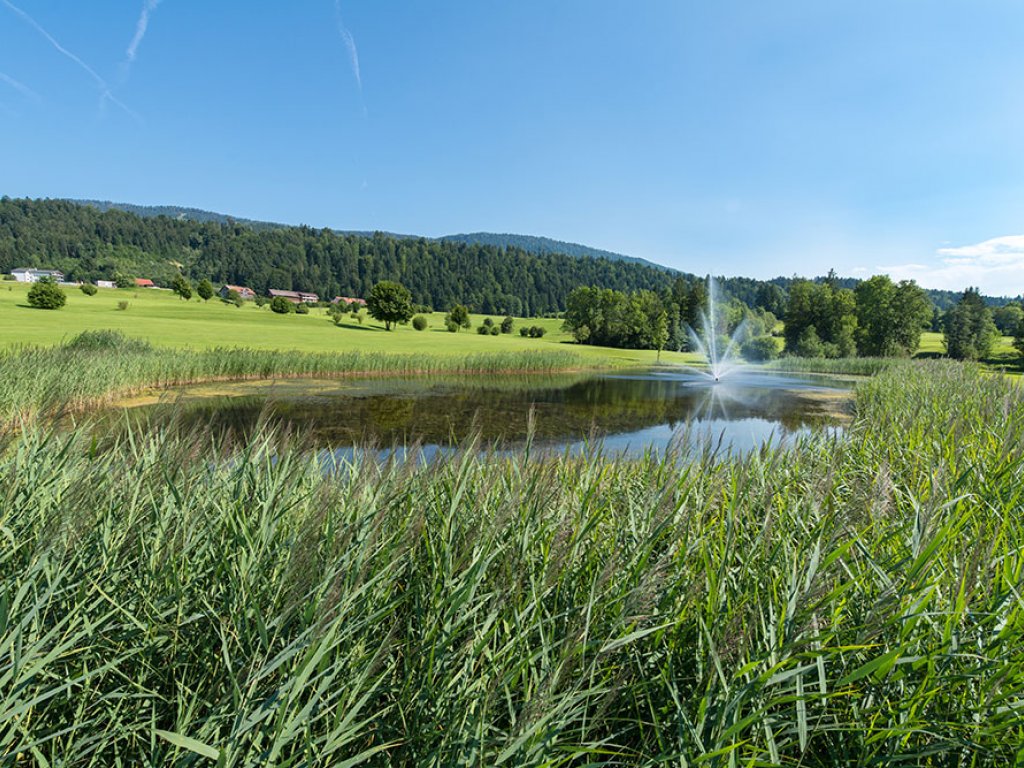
x: 719, y: 363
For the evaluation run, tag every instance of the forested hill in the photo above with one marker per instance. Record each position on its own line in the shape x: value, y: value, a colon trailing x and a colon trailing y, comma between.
x: 546, y: 245
x: 87, y: 243
x: 528, y: 243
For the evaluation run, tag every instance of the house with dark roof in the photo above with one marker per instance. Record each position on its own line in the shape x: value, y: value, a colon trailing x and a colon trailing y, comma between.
x: 295, y: 297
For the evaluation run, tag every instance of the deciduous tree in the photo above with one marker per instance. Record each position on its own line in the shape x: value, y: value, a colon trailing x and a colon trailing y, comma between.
x: 390, y: 303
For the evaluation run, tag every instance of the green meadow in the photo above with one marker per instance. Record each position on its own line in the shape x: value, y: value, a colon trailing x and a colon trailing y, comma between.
x: 165, y: 320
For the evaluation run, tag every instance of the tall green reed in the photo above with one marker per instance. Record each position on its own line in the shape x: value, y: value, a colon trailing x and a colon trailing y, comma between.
x: 854, y: 600
x: 98, y: 366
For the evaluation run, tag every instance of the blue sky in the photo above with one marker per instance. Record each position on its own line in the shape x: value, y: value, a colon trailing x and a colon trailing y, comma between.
x: 745, y: 138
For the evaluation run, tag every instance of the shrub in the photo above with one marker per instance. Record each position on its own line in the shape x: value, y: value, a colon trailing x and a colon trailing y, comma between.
x: 302, y: 309
x: 122, y: 305
x: 483, y: 330
x: 495, y: 330
x: 107, y: 341
x: 760, y: 349
x: 46, y: 294
x: 88, y: 289
x: 536, y: 331
x: 451, y: 327
x: 419, y: 323
x: 261, y: 301
x: 524, y: 331
x: 488, y: 322
x: 506, y: 324
x: 233, y: 297
x: 281, y: 305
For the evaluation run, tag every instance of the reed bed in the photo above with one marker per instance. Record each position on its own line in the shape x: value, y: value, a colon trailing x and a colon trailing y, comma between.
x: 169, y: 600
x: 97, y: 367
x: 844, y: 366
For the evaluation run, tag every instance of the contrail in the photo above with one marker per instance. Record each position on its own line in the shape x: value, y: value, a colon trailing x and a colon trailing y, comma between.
x: 140, y: 28
x: 24, y: 89
x: 349, y: 41
x: 104, y: 88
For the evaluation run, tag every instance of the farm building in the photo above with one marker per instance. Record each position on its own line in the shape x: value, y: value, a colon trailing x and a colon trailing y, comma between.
x: 106, y: 284
x: 295, y: 297
x: 29, y: 275
x: 246, y: 293
x: 143, y: 282
x: 340, y: 300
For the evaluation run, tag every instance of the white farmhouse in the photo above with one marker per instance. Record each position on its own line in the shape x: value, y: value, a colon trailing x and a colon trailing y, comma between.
x: 29, y: 275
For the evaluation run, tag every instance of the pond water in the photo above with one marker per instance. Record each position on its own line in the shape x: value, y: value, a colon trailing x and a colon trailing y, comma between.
x: 626, y: 413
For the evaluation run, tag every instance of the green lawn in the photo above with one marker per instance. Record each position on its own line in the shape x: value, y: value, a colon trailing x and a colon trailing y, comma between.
x: 1002, y: 354
x: 166, y: 320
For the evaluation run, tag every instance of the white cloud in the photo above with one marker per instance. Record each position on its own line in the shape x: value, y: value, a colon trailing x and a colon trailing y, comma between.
x: 21, y: 87
x: 996, y: 266
x: 350, y: 44
x: 105, y: 92
x: 140, y: 29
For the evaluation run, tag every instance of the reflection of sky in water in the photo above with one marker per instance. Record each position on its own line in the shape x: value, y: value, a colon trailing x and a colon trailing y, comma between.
x: 619, y: 413
x: 725, y: 437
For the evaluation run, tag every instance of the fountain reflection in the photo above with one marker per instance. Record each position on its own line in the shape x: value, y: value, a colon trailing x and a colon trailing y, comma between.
x: 628, y: 413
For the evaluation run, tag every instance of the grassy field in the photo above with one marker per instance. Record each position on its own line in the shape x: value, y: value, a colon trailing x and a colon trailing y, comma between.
x: 1004, y: 353
x: 852, y: 601
x: 166, y: 321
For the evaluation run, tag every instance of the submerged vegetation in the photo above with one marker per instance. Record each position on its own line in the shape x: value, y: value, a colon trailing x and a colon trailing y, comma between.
x: 98, y: 366
x: 166, y: 598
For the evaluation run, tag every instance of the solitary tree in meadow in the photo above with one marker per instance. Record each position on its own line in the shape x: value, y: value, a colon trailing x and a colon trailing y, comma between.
x: 458, y: 316
x: 181, y: 286
x: 205, y: 289
x: 390, y: 303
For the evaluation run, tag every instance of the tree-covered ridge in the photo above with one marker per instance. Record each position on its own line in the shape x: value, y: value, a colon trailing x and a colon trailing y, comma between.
x: 535, y: 244
x: 89, y: 244
x: 529, y: 243
x: 175, y: 212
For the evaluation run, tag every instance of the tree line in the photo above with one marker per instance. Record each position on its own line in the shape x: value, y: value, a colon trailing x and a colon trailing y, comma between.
x: 877, y: 318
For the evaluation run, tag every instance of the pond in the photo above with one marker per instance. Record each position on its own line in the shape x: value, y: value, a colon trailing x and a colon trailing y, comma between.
x: 625, y: 413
